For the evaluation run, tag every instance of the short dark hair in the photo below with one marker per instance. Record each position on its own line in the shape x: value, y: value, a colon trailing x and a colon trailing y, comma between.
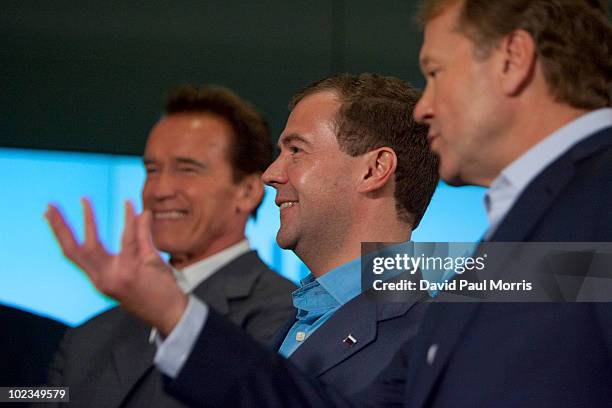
x: 376, y: 111
x: 573, y: 40
x: 252, y: 150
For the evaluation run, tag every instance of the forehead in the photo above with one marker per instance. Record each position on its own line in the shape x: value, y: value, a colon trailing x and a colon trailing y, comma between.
x: 441, y: 34
x: 313, y: 118
x: 189, y: 135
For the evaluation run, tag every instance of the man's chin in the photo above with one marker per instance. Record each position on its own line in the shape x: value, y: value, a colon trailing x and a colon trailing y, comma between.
x: 450, y: 174
x: 455, y: 180
x: 285, y: 242
x: 167, y: 246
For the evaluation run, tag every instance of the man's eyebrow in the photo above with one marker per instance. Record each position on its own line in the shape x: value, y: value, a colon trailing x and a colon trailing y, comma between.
x: 188, y: 160
x: 292, y: 137
x: 180, y: 160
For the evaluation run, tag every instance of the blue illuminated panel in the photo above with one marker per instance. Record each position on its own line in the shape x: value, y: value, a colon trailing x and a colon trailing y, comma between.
x: 35, y: 276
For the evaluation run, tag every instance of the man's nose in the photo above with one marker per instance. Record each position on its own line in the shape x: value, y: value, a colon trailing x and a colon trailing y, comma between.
x: 163, y: 186
x: 423, y: 111
x: 275, y: 173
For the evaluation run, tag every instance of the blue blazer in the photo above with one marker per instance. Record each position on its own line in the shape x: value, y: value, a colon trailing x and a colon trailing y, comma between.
x: 379, y: 329
x: 528, y: 355
x: 246, y: 374
x: 465, y: 355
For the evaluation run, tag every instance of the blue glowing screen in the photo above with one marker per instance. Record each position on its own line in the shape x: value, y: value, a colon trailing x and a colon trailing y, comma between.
x: 36, y: 277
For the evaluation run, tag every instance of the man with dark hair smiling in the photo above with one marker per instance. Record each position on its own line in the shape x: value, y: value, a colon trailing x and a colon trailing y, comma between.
x: 203, y: 160
x: 339, y: 182
x: 354, y: 166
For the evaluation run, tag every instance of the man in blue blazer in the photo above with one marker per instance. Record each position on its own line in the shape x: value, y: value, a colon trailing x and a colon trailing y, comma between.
x: 518, y: 99
x: 339, y: 183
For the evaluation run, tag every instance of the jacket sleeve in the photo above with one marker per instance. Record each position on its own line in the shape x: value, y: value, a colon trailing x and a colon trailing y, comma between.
x: 228, y: 368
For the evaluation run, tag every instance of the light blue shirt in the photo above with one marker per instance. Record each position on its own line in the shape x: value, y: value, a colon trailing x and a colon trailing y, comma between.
x: 512, y: 180
x: 318, y: 299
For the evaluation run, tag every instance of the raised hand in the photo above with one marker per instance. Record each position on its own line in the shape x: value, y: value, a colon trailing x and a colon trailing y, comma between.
x: 137, y: 276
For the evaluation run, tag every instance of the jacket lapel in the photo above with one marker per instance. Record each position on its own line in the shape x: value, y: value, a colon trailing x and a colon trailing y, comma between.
x: 233, y: 281
x: 326, y: 347
x: 212, y: 292
x: 132, y: 355
x: 532, y: 205
x: 241, y: 274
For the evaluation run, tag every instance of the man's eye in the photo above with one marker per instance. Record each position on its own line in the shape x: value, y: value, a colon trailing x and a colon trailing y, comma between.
x: 187, y: 169
x: 150, y: 170
x: 432, y: 73
x: 294, y: 149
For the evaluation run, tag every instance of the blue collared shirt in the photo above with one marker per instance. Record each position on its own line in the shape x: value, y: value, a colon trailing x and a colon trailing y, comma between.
x: 318, y: 299
x: 511, y: 182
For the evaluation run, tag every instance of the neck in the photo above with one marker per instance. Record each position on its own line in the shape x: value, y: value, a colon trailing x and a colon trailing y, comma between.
x: 185, y: 259
x: 322, y: 260
x: 527, y: 130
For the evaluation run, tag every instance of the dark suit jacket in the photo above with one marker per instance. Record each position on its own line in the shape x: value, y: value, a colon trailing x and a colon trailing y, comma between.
x: 264, y: 378
x: 27, y: 344
x: 108, y: 362
x: 465, y: 355
x: 529, y: 355
x: 379, y: 328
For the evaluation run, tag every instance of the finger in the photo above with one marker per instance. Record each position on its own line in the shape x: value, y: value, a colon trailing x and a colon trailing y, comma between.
x: 91, y: 229
x: 129, y: 237
x: 63, y: 232
x: 145, y: 242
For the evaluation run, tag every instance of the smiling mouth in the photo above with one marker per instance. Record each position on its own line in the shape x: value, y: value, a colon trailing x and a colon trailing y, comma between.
x: 169, y: 215
x: 287, y: 204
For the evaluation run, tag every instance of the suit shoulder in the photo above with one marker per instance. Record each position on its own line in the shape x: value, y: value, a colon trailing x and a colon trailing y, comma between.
x: 593, y: 182
x: 105, y: 321
x: 265, y: 278
x: 271, y: 278
x: 597, y: 169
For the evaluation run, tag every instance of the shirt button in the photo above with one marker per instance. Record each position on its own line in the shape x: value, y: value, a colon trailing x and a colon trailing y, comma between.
x: 431, y: 354
x: 300, y: 336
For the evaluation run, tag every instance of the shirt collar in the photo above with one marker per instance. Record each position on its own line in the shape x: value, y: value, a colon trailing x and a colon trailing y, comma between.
x: 333, y: 289
x: 513, y: 179
x: 191, y: 276
x: 524, y: 169
x: 344, y: 282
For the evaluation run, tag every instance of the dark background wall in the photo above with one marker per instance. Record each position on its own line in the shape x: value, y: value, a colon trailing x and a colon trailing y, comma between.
x: 90, y: 76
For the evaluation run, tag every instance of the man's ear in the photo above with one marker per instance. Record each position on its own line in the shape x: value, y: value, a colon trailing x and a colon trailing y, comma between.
x: 250, y: 192
x: 380, y: 165
x: 518, y: 59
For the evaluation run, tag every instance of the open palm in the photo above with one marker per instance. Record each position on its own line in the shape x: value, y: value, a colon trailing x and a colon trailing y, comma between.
x: 137, y: 276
